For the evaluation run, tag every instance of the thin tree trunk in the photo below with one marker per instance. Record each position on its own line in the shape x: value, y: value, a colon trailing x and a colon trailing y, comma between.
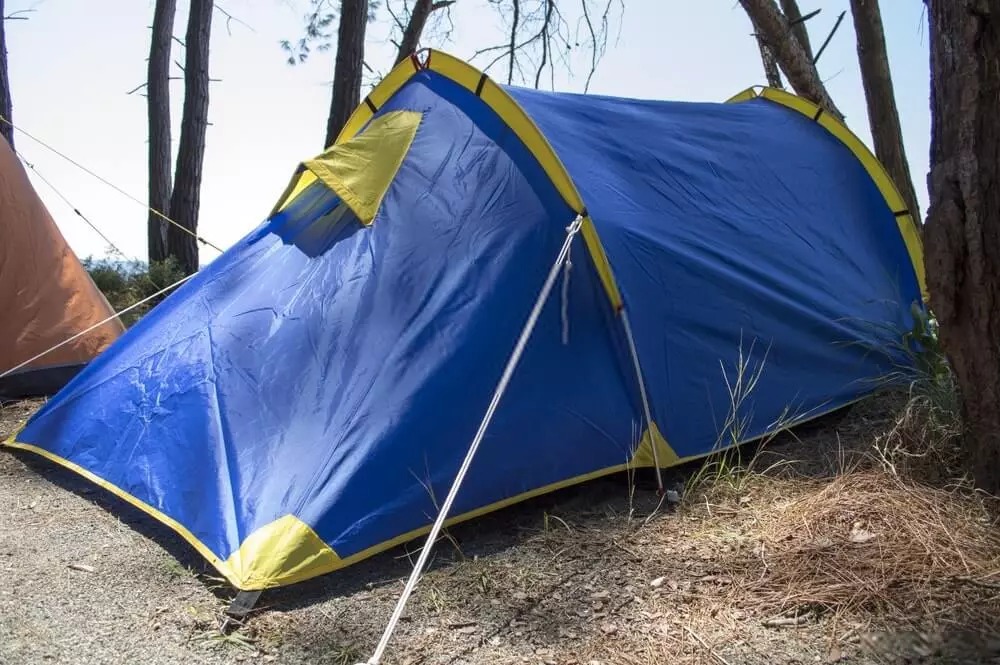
x: 414, y: 28
x: 6, y: 107
x: 798, y: 67
x: 186, y: 197
x: 347, y: 70
x: 767, y: 59
x: 882, y: 114
x: 962, y: 234
x: 158, y: 111
x: 798, y: 26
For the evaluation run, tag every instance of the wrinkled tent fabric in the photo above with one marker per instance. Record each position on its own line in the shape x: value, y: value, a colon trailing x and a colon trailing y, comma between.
x: 303, y: 402
x: 46, y: 296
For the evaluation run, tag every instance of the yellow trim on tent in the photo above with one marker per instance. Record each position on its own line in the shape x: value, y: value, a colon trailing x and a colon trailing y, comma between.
x: 907, y: 225
x: 512, y: 115
x: 289, y: 539
x: 181, y: 530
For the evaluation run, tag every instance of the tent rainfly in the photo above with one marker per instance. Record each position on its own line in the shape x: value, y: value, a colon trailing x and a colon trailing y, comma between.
x: 297, y: 406
x: 46, y: 296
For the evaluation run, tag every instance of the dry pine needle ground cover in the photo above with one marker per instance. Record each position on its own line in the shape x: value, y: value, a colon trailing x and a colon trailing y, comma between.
x: 838, y: 546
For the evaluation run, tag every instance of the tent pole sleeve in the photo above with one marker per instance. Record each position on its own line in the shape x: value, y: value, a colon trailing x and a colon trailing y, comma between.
x: 642, y: 391
x: 508, y: 372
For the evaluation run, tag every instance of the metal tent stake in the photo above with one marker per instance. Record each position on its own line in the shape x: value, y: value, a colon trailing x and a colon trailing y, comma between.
x: 508, y: 372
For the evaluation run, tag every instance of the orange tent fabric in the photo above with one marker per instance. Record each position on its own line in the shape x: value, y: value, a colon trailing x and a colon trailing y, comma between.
x: 46, y: 295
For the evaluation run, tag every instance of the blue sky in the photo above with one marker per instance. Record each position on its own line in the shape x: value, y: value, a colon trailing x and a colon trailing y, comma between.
x: 72, y: 63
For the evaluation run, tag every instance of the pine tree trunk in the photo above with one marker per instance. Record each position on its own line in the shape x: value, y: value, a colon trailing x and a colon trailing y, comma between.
x: 962, y: 234
x: 414, y: 28
x: 6, y: 107
x: 158, y: 111
x: 798, y: 67
x: 767, y: 59
x: 347, y: 70
x: 882, y: 114
x: 798, y: 26
x: 186, y: 197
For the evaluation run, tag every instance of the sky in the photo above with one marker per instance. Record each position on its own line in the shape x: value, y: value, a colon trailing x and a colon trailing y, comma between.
x: 72, y: 64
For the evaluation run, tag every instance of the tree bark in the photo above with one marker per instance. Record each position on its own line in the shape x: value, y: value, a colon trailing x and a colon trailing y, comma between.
x: 962, y: 234
x: 798, y: 26
x: 158, y: 112
x: 798, y: 67
x: 767, y: 59
x: 347, y: 70
x: 881, y: 99
x: 6, y: 107
x: 414, y: 28
x: 186, y: 197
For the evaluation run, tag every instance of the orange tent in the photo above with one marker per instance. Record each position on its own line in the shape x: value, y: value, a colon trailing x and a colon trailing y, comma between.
x: 46, y: 296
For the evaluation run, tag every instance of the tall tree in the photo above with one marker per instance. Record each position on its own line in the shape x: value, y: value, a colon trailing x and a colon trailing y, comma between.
x: 415, y: 25
x: 795, y: 61
x: 883, y: 117
x: 6, y: 106
x: 962, y: 234
x: 771, y: 70
x: 348, y: 68
x: 158, y: 112
x: 798, y: 26
x: 186, y: 196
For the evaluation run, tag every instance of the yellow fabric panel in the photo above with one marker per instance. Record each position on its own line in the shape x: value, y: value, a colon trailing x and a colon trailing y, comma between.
x: 361, y: 169
x: 644, y: 453
x: 749, y: 93
x: 385, y: 89
x: 298, y: 183
x: 283, y: 552
x: 908, y: 228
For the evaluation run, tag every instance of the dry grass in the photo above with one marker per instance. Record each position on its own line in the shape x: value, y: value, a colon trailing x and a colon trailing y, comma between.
x: 869, y: 542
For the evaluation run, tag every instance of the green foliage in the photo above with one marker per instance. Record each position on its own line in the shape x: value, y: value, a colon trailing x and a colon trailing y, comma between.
x: 126, y: 283
x: 318, y: 30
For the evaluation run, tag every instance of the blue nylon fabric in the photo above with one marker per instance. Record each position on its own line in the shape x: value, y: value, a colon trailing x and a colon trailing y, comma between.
x: 733, y: 226
x: 336, y: 372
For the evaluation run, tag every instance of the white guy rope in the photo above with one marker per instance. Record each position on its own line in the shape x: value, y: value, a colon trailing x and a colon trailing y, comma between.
x: 95, y: 326
x: 645, y: 399
x: 508, y: 372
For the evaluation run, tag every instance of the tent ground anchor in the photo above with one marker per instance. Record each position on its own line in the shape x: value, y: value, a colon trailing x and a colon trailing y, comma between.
x: 239, y: 608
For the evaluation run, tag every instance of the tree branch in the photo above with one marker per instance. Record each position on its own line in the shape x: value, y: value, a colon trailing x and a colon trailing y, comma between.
x: 829, y: 37
x: 797, y: 22
x: 230, y: 19
x: 790, y: 54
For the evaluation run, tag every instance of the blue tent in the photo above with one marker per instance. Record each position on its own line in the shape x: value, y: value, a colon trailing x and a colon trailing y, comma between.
x: 305, y: 401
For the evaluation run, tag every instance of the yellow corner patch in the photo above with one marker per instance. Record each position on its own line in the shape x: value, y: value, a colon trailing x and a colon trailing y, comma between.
x: 283, y: 552
x: 361, y: 169
x: 644, y: 453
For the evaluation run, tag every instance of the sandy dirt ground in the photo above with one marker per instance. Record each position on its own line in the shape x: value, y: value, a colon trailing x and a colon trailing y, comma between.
x: 595, y: 574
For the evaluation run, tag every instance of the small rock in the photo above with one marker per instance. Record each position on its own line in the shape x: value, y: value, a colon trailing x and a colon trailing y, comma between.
x: 658, y: 582
x: 82, y: 567
x: 600, y: 595
x: 520, y: 595
x: 673, y: 496
x: 609, y: 628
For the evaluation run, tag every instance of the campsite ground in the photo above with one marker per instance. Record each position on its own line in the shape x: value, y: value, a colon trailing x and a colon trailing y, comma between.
x: 824, y: 553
